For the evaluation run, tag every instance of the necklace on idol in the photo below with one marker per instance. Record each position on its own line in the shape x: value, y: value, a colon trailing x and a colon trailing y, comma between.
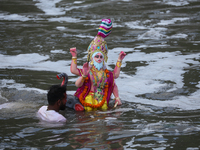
x: 98, y: 77
x: 104, y: 87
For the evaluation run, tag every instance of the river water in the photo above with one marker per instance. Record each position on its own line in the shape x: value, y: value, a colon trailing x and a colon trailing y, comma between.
x: 159, y: 81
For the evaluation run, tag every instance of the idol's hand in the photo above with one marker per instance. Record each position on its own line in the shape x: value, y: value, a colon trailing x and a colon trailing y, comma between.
x: 117, y: 102
x: 121, y: 55
x: 86, y: 69
x: 73, y: 51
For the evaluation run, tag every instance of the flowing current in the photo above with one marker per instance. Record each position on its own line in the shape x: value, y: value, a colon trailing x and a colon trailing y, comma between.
x: 159, y: 81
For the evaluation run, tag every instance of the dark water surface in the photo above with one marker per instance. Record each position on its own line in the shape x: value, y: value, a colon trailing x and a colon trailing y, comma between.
x: 159, y: 82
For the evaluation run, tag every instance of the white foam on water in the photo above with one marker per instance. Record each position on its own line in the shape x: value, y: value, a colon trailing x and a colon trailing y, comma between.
x: 176, y: 2
x: 192, y: 148
x: 135, y: 120
x: 34, y: 61
x: 115, y: 25
x: 110, y: 118
x: 61, y: 28
x: 153, y: 33
x: 156, y: 31
x: 158, y: 127
x: 17, y: 105
x: 135, y: 25
x: 58, y: 51
x: 84, y: 36
x: 141, y: 107
x: 13, y: 17
x: 178, y: 36
x: 7, y: 105
x: 11, y: 84
x: 49, y: 7
x: 172, y: 21
x: 159, y: 148
x: 162, y: 66
x: 65, y: 19
x: 69, y: 8
x: 78, y: 2
x: 198, y: 85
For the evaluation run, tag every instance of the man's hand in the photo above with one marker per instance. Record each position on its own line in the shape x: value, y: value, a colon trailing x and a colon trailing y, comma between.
x: 73, y: 51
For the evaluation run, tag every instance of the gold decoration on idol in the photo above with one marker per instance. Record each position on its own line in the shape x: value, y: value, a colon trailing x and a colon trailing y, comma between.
x: 92, y: 63
x: 74, y: 60
x: 119, y: 64
x: 97, y: 45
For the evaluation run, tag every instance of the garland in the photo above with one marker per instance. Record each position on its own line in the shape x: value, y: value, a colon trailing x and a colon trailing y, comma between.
x: 96, y: 77
x: 81, y: 98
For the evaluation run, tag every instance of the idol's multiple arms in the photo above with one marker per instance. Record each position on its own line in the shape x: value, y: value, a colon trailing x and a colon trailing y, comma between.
x: 116, y: 75
x: 73, y: 67
x: 81, y: 79
x: 119, y: 63
x: 116, y: 95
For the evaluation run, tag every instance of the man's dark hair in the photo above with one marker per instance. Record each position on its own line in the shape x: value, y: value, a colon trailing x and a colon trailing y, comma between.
x: 55, y: 93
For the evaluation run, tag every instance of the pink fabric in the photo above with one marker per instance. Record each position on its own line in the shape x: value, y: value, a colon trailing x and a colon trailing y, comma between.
x: 110, y: 85
x: 110, y: 81
x: 102, y: 35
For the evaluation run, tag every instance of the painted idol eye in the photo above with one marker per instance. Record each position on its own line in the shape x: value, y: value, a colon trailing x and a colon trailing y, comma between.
x: 97, y: 56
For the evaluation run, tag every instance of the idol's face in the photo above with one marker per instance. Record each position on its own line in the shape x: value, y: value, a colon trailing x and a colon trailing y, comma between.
x: 98, y: 58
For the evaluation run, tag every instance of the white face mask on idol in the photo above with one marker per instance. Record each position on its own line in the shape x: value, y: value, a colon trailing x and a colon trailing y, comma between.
x: 96, y: 64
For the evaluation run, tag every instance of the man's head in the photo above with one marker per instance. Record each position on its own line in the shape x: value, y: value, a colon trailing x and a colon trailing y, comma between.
x: 57, y: 96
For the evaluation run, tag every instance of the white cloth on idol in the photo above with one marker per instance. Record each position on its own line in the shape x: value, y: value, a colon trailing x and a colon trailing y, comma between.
x: 50, y: 115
